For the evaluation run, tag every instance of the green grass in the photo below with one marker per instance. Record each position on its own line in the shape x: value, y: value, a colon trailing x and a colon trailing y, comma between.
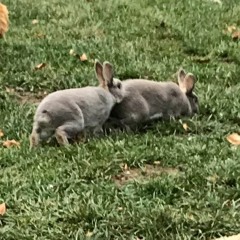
x: 62, y: 193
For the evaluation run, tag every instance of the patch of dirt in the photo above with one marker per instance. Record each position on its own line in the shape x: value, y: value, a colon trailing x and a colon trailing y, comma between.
x: 141, y: 174
x: 26, y: 97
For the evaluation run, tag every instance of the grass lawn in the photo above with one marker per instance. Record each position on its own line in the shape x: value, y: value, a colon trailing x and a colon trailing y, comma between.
x: 82, y: 191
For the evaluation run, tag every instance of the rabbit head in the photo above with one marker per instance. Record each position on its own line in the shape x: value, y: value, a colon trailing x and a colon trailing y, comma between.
x: 186, y: 82
x: 105, y: 75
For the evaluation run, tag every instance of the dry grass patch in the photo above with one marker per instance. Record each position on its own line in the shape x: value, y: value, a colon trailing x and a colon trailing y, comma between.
x: 142, y: 174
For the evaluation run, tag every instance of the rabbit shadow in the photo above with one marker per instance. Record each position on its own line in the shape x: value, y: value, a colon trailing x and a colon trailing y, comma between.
x: 164, y: 127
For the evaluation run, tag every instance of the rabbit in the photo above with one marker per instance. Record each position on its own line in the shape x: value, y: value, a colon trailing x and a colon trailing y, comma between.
x: 146, y: 100
x: 71, y: 112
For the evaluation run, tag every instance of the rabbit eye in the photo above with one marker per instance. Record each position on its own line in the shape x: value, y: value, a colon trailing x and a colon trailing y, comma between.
x: 119, y: 85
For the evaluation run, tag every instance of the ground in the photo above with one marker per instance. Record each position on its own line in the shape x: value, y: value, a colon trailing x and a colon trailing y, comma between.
x: 161, y: 183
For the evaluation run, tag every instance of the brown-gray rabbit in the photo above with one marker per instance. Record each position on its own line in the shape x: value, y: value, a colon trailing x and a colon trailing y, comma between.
x: 70, y: 112
x: 146, y: 100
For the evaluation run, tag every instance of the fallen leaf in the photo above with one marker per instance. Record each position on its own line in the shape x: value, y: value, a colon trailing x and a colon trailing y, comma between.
x: 217, y: 1
x: 40, y: 66
x: 4, y: 21
x: 72, y: 52
x: 213, y: 178
x: 234, y: 237
x: 236, y: 35
x: 83, y: 58
x: 234, y: 139
x: 185, y: 126
x: 231, y: 29
x: 10, y: 90
x: 2, y: 209
x: 35, y: 21
x: 156, y: 162
x: 124, y: 166
x: 1, y: 133
x: 39, y: 35
x: 89, y: 234
x: 11, y: 143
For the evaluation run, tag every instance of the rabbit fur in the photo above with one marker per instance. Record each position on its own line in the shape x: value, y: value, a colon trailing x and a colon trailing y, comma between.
x: 146, y: 100
x: 71, y: 112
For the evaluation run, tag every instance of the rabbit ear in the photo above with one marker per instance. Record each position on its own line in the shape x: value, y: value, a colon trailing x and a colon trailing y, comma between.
x: 108, y: 72
x: 181, y: 75
x: 99, y: 72
x: 187, y: 85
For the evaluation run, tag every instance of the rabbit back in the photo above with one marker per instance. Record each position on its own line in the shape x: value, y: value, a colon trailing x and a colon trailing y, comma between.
x: 92, y: 103
x: 151, y: 100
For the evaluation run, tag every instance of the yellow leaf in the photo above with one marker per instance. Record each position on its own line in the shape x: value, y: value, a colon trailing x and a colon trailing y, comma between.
x: 11, y: 143
x: 217, y: 1
x: 234, y: 139
x: 3, y: 20
x: 185, y: 126
x: 83, y: 57
x: 35, y: 21
x: 157, y: 162
x: 213, y: 178
x: 72, y: 52
x: 40, y: 66
x: 2, y: 209
x: 1, y: 133
x: 10, y: 90
x: 89, y: 234
x: 231, y: 29
x: 234, y: 237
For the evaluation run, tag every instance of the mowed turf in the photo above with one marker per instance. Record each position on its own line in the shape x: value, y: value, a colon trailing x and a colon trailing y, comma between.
x: 76, y: 192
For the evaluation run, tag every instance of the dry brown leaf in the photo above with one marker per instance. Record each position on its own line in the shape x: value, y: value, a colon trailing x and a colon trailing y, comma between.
x: 1, y: 133
x: 234, y: 139
x: 89, y: 234
x: 124, y: 166
x: 40, y: 66
x: 213, y: 178
x: 83, y: 58
x: 11, y: 143
x: 236, y: 35
x: 10, y: 90
x: 35, y: 21
x: 4, y: 21
x: 3, y: 209
x: 185, y: 126
x: 39, y: 35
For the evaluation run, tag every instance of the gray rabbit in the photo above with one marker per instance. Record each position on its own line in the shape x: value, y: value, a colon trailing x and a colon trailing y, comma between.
x: 146, y: 100
x: 70, y: 112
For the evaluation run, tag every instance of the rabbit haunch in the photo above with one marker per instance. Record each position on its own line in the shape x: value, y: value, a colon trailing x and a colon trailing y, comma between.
x: 146, y: 100
x: 70, y: 112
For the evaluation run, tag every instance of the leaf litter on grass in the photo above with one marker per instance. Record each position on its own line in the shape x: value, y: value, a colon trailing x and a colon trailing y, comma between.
x: 234, y: 237
x: 3, y: 209
x: 234, y: 138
